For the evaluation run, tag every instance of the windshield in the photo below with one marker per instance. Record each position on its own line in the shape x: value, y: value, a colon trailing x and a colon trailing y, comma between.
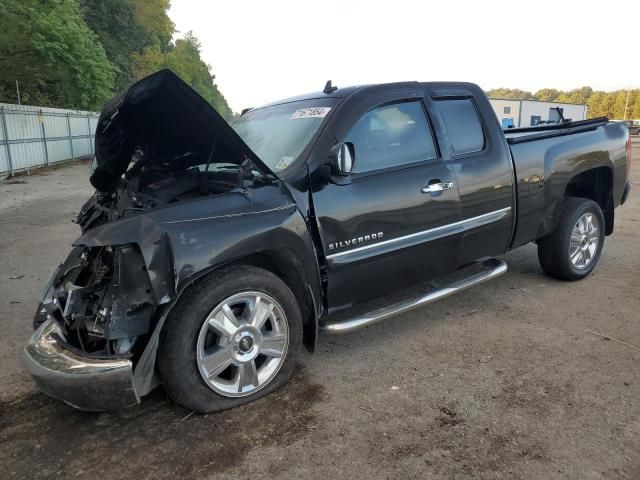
x: 278, y: 134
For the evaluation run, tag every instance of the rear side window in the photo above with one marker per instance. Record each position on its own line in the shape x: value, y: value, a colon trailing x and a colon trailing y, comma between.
x: 462, y: 124
x: 391, y: 135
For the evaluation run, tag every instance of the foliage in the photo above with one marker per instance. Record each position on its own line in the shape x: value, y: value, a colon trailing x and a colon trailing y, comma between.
x: 147, y: 62
x: 58, y: 60
x: 547, y: 94
x: 121, y: 34
x: 510, y: 93
x: 578, y: 95
x: 184, y: 59
x: 152, y: 15
x: 600, y: 104
x: 78, y: 53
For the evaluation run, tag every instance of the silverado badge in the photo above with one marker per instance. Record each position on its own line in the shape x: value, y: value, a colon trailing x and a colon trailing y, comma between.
x: 356, y: 240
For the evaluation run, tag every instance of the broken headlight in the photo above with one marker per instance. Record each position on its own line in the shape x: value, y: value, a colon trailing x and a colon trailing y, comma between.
x: 102, y: 297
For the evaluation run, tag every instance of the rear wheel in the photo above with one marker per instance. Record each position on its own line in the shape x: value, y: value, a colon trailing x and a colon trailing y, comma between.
x: 233, y: 338
x: 573, y: 249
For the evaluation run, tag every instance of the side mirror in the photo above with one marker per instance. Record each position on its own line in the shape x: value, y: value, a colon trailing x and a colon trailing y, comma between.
x: 341, y: 159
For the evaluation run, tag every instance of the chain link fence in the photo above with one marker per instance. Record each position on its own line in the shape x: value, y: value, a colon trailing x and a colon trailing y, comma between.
x: 31, y: 137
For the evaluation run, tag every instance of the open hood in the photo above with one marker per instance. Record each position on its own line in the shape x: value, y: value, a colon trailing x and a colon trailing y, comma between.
x: 166, y: 118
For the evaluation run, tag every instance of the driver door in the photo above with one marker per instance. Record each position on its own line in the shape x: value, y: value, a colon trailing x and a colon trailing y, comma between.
x: 390, y: 223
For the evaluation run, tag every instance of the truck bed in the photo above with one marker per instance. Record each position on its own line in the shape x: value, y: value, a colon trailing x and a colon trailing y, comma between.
x: 547, y: 158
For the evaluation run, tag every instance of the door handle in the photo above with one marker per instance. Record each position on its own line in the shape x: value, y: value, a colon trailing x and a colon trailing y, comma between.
x: 437, y: 187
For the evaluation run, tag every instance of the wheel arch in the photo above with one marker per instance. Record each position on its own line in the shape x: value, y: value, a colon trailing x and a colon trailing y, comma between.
x: 595, y: 184
x: 287, y: 265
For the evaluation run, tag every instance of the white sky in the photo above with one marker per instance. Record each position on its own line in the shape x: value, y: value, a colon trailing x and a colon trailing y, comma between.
x: 262, y: 51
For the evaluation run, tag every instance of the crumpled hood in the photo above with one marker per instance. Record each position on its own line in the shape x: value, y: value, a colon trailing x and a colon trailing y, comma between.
x: 168, y: 118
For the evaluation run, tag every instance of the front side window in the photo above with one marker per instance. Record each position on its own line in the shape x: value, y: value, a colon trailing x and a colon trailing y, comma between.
x: 462, y: 124
x: 391, y: 135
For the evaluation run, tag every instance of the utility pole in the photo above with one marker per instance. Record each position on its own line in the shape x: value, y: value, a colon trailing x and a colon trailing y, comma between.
x: 18, y: 92
x: 626, y: 105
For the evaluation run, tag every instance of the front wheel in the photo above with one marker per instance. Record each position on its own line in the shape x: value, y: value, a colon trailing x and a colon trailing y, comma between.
x: 231, y: 339
x: 573, y: 249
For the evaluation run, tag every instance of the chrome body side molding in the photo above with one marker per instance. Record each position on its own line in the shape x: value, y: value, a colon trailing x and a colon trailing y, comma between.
x: 421, y: 237
x: 492, y: 268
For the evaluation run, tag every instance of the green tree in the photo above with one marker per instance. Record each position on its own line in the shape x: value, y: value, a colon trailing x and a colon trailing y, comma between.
x: 633, y: 95
x: 586, y: 92
x: 635, y: 110
x: 596, y: 106
x: 608, y: 104
x: 619, y: 104
x: 510, y: 93
x: 547, y: 94
x: 183, y: 58
x: 148, y: 62
x: 74, y: 53
x: 58, y: 60
x: 153, y: 16
x: 121, y: 34
x: 578, y: 95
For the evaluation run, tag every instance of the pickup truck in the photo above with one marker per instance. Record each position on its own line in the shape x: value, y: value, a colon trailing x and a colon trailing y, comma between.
x: 210, y: 255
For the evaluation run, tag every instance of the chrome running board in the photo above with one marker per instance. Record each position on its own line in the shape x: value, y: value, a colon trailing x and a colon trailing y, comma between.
x: 492, y: 268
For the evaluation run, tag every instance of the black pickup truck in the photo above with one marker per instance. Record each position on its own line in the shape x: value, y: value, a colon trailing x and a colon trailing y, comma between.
x: 211, y: 255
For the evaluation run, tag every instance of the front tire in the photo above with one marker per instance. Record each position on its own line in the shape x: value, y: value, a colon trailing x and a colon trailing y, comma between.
x: 573, y: 249
x: 232, y: 338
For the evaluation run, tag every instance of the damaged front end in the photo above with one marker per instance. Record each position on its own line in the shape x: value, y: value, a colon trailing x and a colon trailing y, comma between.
x: 92, y: 327
x: 163, y: 156
x: 102, y: 297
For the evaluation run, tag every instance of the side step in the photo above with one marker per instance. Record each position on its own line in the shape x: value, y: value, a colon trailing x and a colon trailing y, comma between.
x: 492, y: 268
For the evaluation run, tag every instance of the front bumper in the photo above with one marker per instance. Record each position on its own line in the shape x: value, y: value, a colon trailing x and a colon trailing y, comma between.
x: 82, y: 382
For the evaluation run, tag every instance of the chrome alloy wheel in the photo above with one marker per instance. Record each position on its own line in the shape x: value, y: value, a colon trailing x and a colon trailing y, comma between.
x: 585, y: 238
x: 242, y: 344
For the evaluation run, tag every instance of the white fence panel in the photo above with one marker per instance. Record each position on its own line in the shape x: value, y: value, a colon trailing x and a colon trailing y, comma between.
x: 78, y: 126
x: 55, y: 126
x: 4, y: 160
x: 58, y: 150
x: 82, y: 147
x: 35, y: 136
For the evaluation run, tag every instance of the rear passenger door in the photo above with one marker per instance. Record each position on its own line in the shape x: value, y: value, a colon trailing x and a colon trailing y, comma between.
x: 390, y: 224
x: 477, y: 150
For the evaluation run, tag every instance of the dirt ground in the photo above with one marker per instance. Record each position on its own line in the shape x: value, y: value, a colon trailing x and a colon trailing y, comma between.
x: 502, y: 381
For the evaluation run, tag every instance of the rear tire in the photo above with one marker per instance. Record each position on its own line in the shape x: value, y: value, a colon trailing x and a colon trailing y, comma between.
x: 573, y: 249
x: 232, y: 338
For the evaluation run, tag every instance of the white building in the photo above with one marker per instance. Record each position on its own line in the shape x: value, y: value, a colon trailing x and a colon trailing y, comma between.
x: 526, y: 113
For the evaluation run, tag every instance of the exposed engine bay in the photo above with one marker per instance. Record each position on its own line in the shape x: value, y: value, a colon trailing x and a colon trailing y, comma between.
x: 150, y: 183
x: 159, y: 143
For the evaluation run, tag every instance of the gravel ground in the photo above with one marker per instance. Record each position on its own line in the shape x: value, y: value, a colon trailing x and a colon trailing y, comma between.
x: 503, y: 381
